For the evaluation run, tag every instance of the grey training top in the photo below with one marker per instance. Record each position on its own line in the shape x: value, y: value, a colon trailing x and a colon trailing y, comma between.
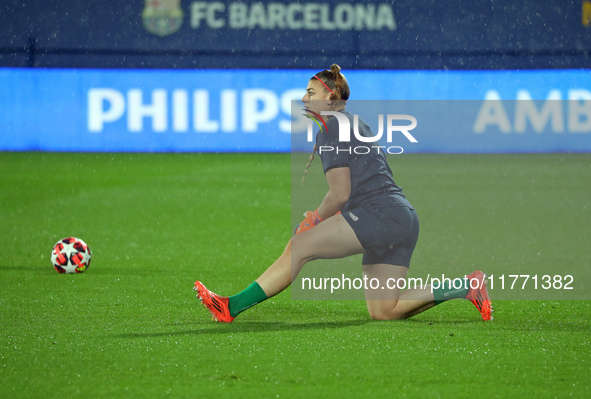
x: 371, y: 176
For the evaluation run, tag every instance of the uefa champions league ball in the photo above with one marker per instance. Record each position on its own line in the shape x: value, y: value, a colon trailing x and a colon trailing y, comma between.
x: 70, y: 255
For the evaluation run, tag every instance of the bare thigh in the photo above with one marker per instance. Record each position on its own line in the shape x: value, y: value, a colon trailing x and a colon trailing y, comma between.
x: 331, y: 239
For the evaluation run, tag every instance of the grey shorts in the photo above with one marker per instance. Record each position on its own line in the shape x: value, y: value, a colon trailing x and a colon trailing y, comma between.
x: 387, y: 232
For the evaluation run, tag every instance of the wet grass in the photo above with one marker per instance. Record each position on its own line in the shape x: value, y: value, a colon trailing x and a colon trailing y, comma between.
x: 131, y: 327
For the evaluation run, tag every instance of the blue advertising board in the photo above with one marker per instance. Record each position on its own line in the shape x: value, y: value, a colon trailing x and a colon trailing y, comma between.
x: 360, y: 34
x: 251, y: 110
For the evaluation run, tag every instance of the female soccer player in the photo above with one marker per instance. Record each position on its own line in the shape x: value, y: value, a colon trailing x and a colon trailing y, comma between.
x: 363, y: 212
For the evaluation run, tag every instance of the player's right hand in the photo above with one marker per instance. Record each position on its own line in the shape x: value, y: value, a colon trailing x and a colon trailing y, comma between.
x: 311, y: 219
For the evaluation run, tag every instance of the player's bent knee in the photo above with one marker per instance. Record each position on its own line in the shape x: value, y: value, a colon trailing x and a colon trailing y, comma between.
x: 379, y: 316
x: 386, y: 310
x: 382, y: 315
x: 301, y: 250
x: 387, y: 316
x: 378, y: 312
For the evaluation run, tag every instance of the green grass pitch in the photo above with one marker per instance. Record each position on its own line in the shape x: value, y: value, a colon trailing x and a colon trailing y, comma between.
x: 130, y: 326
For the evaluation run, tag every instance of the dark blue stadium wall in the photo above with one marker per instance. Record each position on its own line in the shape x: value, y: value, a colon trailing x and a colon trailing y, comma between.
x: 455, y: 34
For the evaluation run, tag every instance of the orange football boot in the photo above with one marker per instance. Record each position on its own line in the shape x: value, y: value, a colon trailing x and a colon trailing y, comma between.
x: 479, y: 295
x: 217, y: 305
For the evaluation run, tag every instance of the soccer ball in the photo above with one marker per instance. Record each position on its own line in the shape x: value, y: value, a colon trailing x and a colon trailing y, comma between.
x: 70, y: 255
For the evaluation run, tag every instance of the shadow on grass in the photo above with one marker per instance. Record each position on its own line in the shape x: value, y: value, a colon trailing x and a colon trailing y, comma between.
x: 210, y: 328
x: 27, y: 268
x: 95, y: 270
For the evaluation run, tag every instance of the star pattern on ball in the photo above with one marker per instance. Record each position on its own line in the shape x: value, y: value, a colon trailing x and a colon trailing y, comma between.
x: 68, y: 248
x: 71, y: 255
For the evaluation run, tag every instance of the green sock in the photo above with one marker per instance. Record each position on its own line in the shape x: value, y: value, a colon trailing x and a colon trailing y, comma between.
x: 252, y: 295
x: 447, y: 290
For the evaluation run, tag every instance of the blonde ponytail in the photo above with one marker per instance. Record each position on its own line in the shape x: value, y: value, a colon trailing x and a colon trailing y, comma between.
x: 309, y: 162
